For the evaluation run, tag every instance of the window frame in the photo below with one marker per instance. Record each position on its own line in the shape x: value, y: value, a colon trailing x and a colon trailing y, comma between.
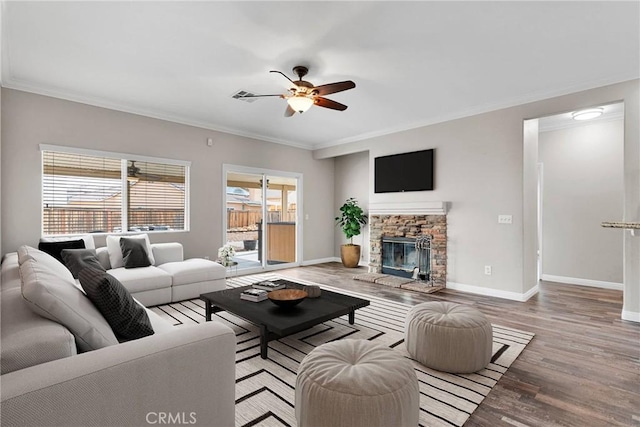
x: 124, y: 158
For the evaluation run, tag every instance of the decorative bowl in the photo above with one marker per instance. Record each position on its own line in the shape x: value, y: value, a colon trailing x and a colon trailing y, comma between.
x: 287, y: 297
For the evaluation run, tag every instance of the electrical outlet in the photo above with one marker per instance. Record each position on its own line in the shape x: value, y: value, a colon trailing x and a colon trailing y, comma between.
x: 505, y: 219
x: 487, y: 270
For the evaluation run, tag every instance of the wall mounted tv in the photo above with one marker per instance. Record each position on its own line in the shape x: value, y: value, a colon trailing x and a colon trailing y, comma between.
x: 404, y: 172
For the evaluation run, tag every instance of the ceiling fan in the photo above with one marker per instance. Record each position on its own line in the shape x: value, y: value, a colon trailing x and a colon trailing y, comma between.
x: 134, y: 174
x: 304, y: 94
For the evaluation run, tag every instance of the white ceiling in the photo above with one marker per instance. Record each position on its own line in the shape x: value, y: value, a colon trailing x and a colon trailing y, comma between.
x: 414, y: 63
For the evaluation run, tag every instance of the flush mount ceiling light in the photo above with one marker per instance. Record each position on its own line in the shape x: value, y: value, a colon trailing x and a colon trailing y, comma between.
x: 300, y: 104
x: 588, y: 114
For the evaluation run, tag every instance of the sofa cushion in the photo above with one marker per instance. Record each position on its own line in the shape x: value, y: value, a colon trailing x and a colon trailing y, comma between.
x: 128, y: 320
x: 27, y: 338
x: 26, y: 253
x: 115, y: 252
x: 193, y: 271
x: 78, y: 259
x: 134, y: 253
x: 141, y: 279
x: 55, y: 248
x: 58, y: 299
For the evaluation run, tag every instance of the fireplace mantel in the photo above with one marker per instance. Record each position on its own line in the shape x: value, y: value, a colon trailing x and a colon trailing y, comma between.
x: 408, y: 208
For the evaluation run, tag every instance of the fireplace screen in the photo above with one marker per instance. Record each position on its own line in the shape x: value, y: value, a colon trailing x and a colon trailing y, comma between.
x: 406, y: 257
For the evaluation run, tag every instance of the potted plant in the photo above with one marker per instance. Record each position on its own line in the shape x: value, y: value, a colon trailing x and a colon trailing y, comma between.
x: 350, y: 221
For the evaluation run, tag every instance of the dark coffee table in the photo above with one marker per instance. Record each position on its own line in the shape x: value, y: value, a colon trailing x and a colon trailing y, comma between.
x: 276, y: 322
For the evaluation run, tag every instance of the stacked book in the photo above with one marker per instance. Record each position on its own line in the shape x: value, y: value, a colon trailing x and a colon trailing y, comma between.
x: 268, y: 286
x: 254, y: 295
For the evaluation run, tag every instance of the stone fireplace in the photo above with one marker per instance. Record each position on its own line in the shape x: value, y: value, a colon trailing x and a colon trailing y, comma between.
x: 394, y: 229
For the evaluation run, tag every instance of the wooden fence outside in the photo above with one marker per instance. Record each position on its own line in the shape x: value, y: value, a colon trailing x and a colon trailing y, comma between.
x: 91, y: 220
x: 87, y: 220
x: 241, y: 219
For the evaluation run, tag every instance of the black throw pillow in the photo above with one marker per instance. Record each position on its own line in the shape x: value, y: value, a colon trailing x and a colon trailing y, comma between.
x: 78, y: 259
x: 128, y: 320
x: 134, y: 253
x: 55, y: 248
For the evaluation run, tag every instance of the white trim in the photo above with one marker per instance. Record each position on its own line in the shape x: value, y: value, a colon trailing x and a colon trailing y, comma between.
x: 320, y: 261
x: 490, y: 292
x: 408, y: 208
x: 631, y: 316
x: 112, y: 155
x: 583, y: 282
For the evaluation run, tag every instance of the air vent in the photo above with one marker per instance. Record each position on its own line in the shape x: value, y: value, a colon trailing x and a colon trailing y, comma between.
x: 243, y: 95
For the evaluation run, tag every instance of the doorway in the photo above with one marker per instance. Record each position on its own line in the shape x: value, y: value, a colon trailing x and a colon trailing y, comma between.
x: 261, y: 217
x: 580, y: 184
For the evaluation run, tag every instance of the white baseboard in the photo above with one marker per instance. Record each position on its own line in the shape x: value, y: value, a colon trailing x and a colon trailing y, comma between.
x: 631, y: 316
x: 479, y: 290
x: 583, y: 282
x: 320, y: 261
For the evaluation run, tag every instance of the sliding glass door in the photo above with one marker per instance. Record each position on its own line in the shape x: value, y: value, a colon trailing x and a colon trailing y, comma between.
x: 261, y: 218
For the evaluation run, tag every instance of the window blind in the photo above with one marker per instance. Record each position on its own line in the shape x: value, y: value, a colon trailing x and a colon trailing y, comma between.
x: 156, y: 196
x: 84, y: 194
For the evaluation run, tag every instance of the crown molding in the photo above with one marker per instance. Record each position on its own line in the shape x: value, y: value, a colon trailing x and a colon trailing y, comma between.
x: 484, y: 108
x: 7, y: 81
x: 100, y: 102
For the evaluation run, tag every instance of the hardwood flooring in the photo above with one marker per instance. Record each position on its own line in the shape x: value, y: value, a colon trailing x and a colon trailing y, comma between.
x: 581, y: 369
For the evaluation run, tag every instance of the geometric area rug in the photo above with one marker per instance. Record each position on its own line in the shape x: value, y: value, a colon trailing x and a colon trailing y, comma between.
x: 265, y: 389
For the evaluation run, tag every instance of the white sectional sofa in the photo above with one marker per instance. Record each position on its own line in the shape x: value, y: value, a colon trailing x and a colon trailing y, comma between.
x: 170, y: 279
x: 186, y: 372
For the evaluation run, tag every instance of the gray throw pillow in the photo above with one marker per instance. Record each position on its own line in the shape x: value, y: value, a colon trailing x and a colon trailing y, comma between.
x: 134, y: 253
x: 128, y: 320
x: 78, y: 259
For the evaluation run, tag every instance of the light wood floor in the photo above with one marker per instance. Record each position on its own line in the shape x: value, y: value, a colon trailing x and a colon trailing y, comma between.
x: 581, y: 369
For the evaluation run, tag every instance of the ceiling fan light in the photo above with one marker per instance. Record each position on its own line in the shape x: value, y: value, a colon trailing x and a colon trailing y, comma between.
x: 588, y: 114
x: 300, y: 103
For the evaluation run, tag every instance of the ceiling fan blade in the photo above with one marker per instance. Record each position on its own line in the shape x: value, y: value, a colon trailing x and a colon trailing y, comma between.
x: 289, y: 111
x: 257, y: 96
x: 334, y: 87
x: 327, y: 103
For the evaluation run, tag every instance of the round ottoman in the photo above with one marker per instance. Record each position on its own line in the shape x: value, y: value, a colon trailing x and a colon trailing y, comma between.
x: 356, y: 383
x: 449, y: 337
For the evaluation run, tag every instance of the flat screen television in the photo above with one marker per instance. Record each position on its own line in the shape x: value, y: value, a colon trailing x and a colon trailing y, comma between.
x: 404, y: 172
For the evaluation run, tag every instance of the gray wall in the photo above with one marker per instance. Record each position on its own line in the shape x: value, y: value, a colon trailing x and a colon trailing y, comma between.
x: 352, y: 180
x: 480, y: 170
x: 29, y: 119
x: 583, y: 186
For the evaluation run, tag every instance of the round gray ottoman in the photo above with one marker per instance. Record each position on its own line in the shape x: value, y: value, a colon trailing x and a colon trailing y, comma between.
x: 356, y: 383
x: 449, y: 337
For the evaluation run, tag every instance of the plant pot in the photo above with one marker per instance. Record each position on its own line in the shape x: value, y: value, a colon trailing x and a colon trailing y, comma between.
x: 249, y: 245
x: 350, y: 255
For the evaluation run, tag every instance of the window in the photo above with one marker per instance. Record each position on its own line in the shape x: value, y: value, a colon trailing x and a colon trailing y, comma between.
x: 96, y: 192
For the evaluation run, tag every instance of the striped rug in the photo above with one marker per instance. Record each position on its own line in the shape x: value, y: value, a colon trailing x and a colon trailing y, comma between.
x: 265, y: 388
